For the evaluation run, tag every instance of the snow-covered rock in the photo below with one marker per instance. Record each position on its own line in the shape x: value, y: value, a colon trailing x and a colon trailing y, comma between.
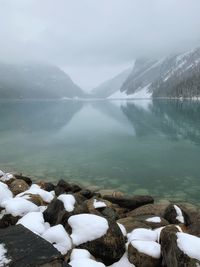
x: 87, y: 227
x: 149, y: 248
x: 57, y: 236
x: 36, y: 190
x: 189, y: 244
x: 122, y: 228
x: 18, y: 206
x: 68, y: 201
x: 179, y: 213
x: 34, y: 221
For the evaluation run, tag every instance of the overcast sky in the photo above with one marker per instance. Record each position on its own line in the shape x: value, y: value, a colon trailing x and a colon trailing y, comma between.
x: 93, y: 40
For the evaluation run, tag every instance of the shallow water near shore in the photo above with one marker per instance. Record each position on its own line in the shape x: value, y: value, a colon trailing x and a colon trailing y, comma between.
x: 139, y: 147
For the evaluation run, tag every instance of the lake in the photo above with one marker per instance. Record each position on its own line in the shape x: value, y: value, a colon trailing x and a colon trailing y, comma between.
x: 139, y: 147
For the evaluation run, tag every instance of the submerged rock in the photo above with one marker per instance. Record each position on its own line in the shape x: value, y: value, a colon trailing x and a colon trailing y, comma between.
x: 130, y: 202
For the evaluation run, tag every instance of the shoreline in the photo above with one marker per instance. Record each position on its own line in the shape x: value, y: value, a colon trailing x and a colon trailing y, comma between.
x: 100, y: 228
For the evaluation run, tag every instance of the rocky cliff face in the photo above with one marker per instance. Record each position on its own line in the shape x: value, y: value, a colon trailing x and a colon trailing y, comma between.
x: 173, y: 76
x: 36, y: 81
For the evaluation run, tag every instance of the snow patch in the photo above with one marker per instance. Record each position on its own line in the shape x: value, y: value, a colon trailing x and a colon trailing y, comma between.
x: 86, y: 263
x: 83, y: 229
x: 142, y: 234
x: 149, y: 248
x: 122, y: 228
x: 154, y: 219
x: 3, y: 260
x: 123, y: 262
x: 189, y: 244
x: 99, y: 204
x: 60, y: 239
x: 5, y: 193
x: 78, y: 253
x: 179, y: 213
x: 18, y: 206
x: 68, y: 201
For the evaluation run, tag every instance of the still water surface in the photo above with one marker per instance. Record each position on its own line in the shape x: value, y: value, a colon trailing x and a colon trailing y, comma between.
x: 139, y: 146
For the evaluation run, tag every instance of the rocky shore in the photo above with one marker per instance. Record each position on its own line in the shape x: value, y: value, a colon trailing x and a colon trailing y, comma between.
x: 63, y: 224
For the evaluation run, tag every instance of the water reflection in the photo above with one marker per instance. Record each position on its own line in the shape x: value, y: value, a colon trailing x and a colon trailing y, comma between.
x: 136, y: 146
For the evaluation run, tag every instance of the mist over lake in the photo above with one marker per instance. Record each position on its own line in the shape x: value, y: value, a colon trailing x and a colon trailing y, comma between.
x: 139, y: 147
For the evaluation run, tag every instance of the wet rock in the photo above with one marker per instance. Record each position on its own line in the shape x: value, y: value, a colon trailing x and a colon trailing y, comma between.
x: 194, y: 227
x: 130, y: 202
x: 75, y: 188
x: 172, y: 256
x: 8, y: 220
x: 140, y: 259
x: 62, y: 187
x: 54, y: 212
x: 18, y: 186
x: 110, y: 192
x: 47, y: 186
x: 26, y: 249
x: 130, y: 223
x: 25, y: 178
x: 110, y: 247
x: 150, y: 209
x: 176, y: 214
x: 86, y: 193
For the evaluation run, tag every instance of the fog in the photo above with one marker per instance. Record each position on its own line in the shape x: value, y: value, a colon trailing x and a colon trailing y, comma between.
x: 93, y: 40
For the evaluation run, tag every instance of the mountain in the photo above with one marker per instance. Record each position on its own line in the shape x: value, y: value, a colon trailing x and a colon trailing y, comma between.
x: 110, y: 86
x: 33, y: 80
x: 175, y: 76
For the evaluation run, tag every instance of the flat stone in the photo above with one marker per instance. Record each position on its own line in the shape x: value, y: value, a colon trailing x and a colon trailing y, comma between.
x: 24, y: 248
x: 150, y: 209
x: 130, y: 202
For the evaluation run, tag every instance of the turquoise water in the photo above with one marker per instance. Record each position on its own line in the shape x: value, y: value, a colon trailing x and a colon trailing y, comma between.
x: 139, y: 146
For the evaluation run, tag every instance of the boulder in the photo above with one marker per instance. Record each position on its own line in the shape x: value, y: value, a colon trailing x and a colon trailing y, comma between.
x: 54, y: 212
x: 108, y: 248
x: 25, y: 178
x: 177, y: 214
x: 150, y: 209
x: 150, y: 221
x: 130, y: 202
x: 46, y: 186
x: 24, y: 248
x: 64, y: 187
x: 8, y: 220
x: 140, y: 259
x: 36, y: 199
x: 172, y: 256
x: 18, y: 186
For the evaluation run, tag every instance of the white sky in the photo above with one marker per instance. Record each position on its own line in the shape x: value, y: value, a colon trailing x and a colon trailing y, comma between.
x: 93, y: 40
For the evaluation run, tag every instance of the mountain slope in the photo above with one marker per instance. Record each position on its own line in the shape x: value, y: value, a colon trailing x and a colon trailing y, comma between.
x: 173, y: 76
x: 110, y: 86
x: 36, y: 81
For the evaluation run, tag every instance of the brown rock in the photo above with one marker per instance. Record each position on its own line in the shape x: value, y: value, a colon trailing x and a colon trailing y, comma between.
x: 18, y: 186
x: 36, y: 199
x: 150, y: 209
x: 140, y: 259
x: 172, y: 256
x: 130, y: 223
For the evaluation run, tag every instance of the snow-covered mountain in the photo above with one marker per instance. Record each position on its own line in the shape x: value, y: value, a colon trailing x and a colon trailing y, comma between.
x: 110, y: 86
x: 174, y: 76
x: 35, y: 80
